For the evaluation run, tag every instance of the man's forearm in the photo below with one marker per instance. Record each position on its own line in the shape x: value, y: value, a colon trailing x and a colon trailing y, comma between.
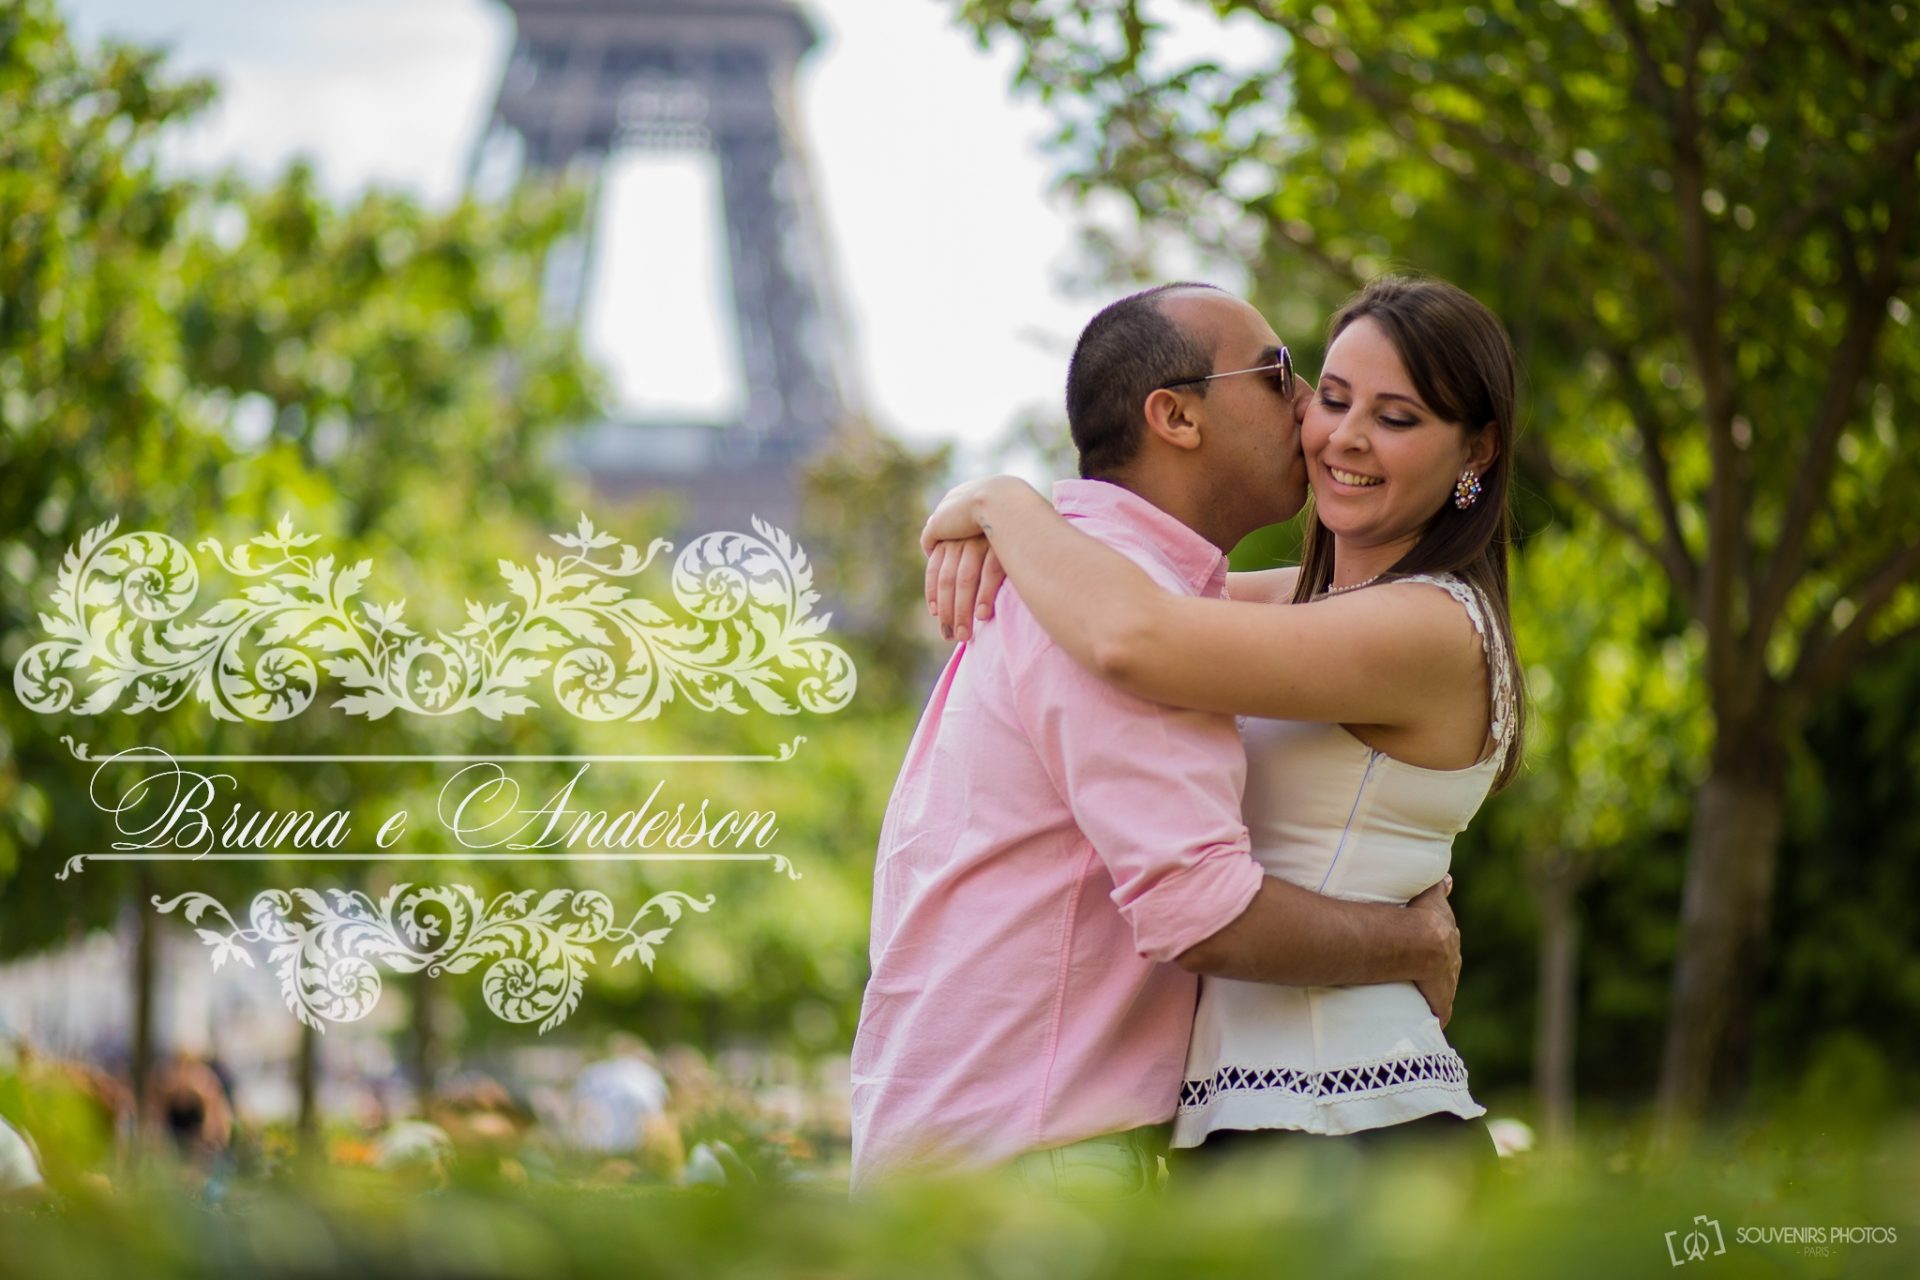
x: 1295, y: 937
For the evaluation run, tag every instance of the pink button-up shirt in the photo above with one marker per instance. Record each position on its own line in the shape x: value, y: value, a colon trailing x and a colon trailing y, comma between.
x: 1051, y: 844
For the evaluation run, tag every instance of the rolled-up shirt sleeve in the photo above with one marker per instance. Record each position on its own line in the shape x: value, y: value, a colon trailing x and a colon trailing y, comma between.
x: 1157, y: 791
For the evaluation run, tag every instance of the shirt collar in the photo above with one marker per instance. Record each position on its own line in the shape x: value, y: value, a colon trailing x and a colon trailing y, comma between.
x: 1198, y: 561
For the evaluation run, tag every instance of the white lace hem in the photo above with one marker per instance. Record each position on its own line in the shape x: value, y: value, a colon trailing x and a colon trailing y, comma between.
x: 1266, y: 1110
x: 1346, y: 1099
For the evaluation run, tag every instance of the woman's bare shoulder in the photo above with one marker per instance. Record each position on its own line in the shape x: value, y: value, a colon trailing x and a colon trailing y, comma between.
x: 1446, y: 608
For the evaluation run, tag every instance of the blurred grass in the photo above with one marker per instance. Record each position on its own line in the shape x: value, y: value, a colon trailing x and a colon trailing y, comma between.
x: 1602, y: 1211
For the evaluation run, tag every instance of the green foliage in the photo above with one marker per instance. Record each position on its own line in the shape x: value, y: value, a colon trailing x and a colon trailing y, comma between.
x: 386, y: 343
x: 1620, y: 716
x: 204, y: 356
x: 866, y: 498
x: 1699, y: 230
x: 393, y: 358
x: 1846, y: 986
x: 1600, y: 1214
x: 1618, y: 732
x: 1701, y: 223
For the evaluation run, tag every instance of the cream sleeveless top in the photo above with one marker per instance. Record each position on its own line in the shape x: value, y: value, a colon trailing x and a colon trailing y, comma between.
x: 1331, y: 814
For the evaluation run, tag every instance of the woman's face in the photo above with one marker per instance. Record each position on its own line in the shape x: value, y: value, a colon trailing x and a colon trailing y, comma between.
x: 1380, y: 461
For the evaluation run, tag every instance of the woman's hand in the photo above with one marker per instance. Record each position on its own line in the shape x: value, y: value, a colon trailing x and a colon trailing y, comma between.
x: 957, y: 518
x: 962, y: 580
x: 963, y: 574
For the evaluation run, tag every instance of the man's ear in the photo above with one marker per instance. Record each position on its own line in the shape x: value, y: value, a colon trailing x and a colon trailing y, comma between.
x: 1171, y: 418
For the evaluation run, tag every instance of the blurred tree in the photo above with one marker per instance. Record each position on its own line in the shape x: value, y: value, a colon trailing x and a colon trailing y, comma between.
x: 87, y: 375
x: 867, y: 495
x: 386, y: 343
x: 1038, y: 439
x: 1842, y: 1019
x: 1615, y: 729
x: 196, y: 357
x: 1697, y: 218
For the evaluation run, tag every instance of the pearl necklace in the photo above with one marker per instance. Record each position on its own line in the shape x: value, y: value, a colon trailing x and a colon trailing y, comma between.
x: 1334, y: 591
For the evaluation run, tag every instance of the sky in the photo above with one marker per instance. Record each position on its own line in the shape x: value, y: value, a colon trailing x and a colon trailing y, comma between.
x: 950, y: 252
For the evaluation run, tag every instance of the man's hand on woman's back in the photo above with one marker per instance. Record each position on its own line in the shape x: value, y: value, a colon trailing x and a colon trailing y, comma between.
x: 1438, y: 987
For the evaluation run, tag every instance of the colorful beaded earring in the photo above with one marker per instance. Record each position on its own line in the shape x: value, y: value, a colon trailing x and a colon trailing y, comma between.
x: 1466, y: 490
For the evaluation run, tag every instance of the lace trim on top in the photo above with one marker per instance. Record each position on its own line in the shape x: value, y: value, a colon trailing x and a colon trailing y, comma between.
x: 1365, y: 1079
x: 1493, y: 644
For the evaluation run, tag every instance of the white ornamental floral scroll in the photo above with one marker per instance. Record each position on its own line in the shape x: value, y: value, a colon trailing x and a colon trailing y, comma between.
x: 324, y: 946
x: 748, y: 633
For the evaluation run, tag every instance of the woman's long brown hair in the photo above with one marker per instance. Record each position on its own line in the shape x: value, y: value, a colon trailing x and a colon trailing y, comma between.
x: 1462, y: 364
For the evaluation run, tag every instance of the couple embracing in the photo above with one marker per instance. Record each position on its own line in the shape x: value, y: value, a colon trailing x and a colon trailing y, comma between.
x: 1166, y: 863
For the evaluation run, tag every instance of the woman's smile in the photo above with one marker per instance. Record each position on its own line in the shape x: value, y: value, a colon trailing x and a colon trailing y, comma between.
x: 1354, y: 479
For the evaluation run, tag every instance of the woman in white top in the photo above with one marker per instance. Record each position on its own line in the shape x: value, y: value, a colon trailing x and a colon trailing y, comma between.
x: 1378, y: 711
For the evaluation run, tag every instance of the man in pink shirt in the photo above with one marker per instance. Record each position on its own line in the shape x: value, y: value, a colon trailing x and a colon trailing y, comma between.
x: 1060, y: 860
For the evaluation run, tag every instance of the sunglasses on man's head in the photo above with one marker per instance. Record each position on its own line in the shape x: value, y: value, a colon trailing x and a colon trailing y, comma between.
x: 1278, y: 364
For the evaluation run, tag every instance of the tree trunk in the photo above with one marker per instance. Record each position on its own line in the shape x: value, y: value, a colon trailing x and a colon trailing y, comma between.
x: 1731, y: 859
x: 1557, y: 1001
x: 426, y: 1042
x: 307, y: 1080
x: 145, y: 975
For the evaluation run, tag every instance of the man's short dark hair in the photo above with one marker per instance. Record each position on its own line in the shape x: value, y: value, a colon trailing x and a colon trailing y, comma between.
x: 1124, y: 354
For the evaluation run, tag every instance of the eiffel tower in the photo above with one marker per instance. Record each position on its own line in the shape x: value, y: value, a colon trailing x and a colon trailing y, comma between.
x: 588, y: 78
